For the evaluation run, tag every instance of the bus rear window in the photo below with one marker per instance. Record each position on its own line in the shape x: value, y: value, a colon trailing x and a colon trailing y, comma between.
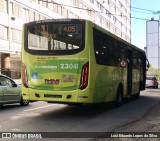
x: 54, y: 38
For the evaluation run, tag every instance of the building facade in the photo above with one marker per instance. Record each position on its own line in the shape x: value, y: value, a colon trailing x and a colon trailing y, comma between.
x: 113, y: 15
x: 153, y: 42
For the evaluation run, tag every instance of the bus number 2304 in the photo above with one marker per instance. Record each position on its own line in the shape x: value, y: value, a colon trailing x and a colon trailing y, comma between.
x: 68, y: 66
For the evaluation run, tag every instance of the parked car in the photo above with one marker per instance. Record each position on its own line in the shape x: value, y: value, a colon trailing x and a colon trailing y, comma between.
x: 10, y: 92
x: 151, y: 81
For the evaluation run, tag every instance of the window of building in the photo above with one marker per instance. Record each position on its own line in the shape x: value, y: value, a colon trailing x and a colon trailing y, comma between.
x: 35, y: 1
x: 21, y: 12
x: 101, y: 8
x: 31, y: 16
x: 42, y: 17
x: 120, y: 5
x: 50, y: 6
x: 74, y: 16
x: 107, y: 24
x: 59, y: 10
x: 45, y: 3
x: 118, y: 32
x: 16, y: 35
x: 75, y: 2
x: 88, y: 11
x: 92, y: 14
x: 108, y: 2
x: 3, y: 32
x: 70, y: 15
x: 114, y: 19
x: 1, y: 5
x: 109, y: 15
x: 5, y: 6
x: 11, y: 8
x: 98, y: 5
x: 37, y: 16
x: 15, y: 10
x: 27, y: 15
x: 81, y: 5
x: 92, y: 1
x: 107, y: 12
x: 103, y: 22
x: 55, y: 7
x: 98, y: 18
x: 84, y: 10
x: 39, y: 2
x: 65, y: 13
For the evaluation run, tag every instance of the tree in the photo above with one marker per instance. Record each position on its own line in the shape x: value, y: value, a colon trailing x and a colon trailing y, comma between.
x: 152, y: 71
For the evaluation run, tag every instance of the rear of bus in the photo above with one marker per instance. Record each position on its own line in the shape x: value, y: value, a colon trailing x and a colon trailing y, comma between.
x: 55, y: 61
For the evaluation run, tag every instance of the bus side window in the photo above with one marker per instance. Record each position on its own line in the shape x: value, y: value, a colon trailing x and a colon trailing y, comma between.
x: 113, y: 56
x: 102, y: 52
x: 101, y: 47
x: 99, y: 54
x: 135, y: 60
x: 122, y: 61
x: 97, y: 47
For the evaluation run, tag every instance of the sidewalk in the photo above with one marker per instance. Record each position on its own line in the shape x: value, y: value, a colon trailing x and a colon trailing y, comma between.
x: 150, y: 122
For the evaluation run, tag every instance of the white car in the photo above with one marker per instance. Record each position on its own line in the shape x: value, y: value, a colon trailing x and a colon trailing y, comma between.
x: 151, y: 81
x: 10, y: 92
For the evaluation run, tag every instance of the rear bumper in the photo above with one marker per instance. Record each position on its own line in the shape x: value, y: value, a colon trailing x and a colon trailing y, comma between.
x: 74, y: 96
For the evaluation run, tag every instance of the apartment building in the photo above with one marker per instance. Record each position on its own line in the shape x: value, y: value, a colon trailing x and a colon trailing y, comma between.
x: 153, y: 42
x: 113, y: 15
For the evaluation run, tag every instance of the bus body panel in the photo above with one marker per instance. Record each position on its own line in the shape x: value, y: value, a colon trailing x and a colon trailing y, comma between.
x: 58, y: 96
x: 135, y: 81
x: 55, y: 74
x: 107, y: 81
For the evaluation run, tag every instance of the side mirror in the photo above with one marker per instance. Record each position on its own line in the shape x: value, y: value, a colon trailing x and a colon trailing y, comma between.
x: 14, y: 85
x: 148, y: 65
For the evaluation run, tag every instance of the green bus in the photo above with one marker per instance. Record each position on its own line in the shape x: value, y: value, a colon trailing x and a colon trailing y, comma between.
x: 75, y: 61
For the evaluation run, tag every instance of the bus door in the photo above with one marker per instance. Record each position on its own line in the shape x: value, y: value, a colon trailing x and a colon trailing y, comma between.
x: 129, y: 72
x: 144, y: 68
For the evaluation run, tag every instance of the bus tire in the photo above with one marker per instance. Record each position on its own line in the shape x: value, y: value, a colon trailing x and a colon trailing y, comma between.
x: 119, y: 97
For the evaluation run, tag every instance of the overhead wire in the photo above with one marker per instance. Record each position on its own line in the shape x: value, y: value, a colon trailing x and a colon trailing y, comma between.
x: 143, y: 9
x: 107, y: 12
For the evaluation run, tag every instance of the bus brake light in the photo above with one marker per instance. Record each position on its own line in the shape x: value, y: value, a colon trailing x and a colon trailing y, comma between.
x: 84, y: 76
x: 24, y: 76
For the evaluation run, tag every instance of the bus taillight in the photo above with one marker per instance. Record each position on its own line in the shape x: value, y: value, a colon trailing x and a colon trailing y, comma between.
x: 24, y: 76
x: 84, y: 76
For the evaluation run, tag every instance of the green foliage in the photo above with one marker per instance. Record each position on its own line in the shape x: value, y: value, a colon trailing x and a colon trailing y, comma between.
x: 152, y: 71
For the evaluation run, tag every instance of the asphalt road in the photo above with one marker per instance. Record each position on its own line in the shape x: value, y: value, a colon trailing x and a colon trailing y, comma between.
x: 44, y: 117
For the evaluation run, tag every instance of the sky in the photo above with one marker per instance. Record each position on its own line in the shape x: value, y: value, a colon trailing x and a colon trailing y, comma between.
x: 141, y: 11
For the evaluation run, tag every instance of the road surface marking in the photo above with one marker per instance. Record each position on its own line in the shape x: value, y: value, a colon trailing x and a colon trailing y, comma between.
x: 38, y: 108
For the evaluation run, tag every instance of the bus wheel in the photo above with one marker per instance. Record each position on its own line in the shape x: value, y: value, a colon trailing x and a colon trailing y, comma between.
x: 119, y: 97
